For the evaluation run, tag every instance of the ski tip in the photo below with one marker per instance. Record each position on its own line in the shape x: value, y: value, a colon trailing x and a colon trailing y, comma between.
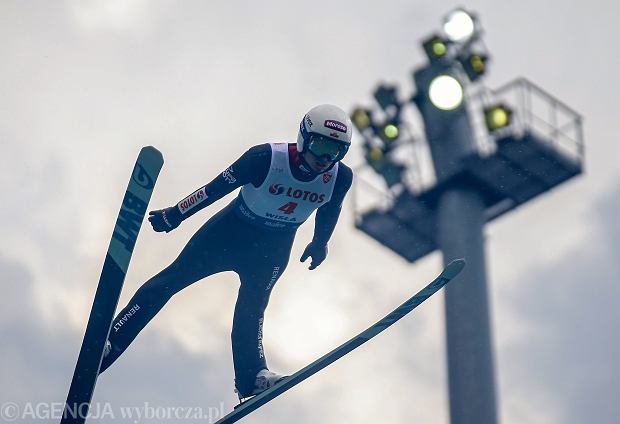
x: 454, y: 268
x: 153, y: 152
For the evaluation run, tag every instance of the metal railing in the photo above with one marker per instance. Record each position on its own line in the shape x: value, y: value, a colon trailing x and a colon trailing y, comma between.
x: 534, y: 111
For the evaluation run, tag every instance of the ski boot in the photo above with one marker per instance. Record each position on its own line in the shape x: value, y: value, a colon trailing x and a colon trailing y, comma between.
x: 265, y: 379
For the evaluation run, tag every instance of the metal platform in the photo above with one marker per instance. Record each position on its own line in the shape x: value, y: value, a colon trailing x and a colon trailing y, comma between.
x: 522, y: 163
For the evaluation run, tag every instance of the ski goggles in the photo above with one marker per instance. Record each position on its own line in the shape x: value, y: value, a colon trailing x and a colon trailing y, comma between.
x: 320, y: 146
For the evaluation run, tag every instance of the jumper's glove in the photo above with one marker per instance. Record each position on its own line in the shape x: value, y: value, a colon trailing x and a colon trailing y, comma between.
x: 317, y: 251
x: 165, y: 219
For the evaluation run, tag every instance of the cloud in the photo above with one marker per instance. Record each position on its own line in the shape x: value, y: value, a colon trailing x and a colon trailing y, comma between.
x: 32, y: 353
x: 566, y: 358
x: 38, y: 359
x: 115, y: 15
x: 85, y: 85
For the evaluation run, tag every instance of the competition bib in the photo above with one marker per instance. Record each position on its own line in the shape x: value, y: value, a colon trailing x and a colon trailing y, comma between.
x: 283, y: 202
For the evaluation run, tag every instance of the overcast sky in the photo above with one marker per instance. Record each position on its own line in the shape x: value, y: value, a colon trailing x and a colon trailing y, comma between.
x: 84, y: 84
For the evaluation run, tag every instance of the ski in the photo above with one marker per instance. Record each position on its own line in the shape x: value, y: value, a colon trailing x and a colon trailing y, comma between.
x: 128, y: 223
x: 450, y: 271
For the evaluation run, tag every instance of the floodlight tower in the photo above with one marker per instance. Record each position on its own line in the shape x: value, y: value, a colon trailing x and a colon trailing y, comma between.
x: 460, y: 223
x: 490, y: 152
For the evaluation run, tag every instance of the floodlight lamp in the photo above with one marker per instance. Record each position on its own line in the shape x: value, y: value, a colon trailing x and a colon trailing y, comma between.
x: 459, y: 26
x: 386, y: 96
x: 375, y: 155
x: 474, y: 65
x: 446, y: 92
x: 497, y: 116
x: 361, y: 118
x: 477, y: 63
x: 435, y: 48
x: 391, y: 132
x: 439, y: 48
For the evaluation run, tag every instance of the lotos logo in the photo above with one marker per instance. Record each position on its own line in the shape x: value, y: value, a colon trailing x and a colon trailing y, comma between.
x: 327, y: 177
x: 296, y: 193
x: 276, y: 189
x: 335, y: 125
x: 192, y: 200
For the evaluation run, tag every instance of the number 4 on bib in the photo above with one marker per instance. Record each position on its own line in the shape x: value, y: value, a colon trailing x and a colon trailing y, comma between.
x: 288, y: 208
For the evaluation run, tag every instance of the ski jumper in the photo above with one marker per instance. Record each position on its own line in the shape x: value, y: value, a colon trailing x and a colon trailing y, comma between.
x: 252, y: 236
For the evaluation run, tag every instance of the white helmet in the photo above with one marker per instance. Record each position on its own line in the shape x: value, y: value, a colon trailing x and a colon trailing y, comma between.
x: 325, y: 123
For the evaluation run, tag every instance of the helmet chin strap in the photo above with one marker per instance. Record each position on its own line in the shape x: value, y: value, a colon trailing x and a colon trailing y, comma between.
x: 328, y: 169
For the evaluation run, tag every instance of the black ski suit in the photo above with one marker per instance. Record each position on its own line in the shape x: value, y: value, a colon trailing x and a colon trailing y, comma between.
x: 227, y: 242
